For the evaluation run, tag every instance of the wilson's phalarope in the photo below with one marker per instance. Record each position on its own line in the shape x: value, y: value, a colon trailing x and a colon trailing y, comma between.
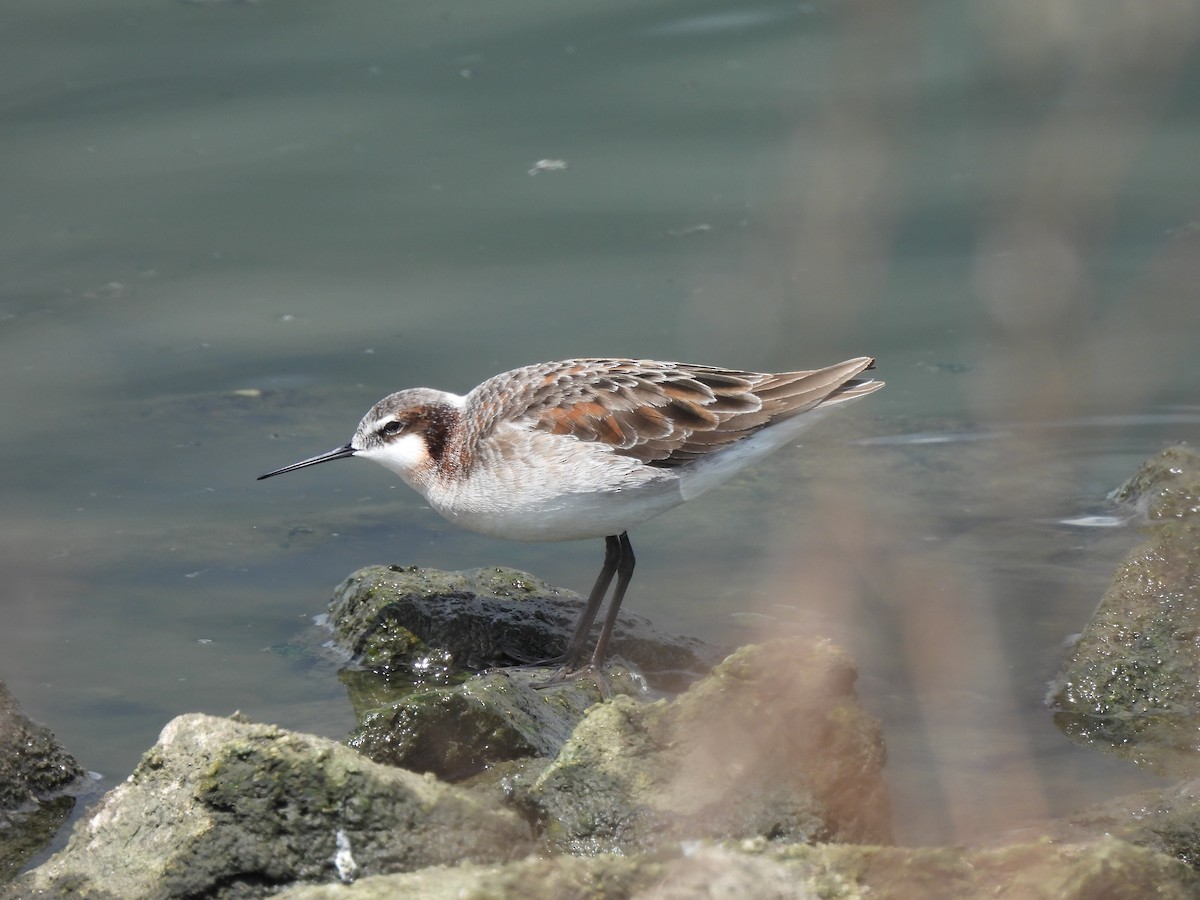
x: 589, y: 448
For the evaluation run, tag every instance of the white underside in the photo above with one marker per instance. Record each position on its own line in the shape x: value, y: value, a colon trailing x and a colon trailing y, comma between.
x: 543, y: 487
x: 552, y: 488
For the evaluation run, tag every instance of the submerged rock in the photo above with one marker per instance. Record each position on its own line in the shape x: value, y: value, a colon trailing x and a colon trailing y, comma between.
x: 221, y: 808
x: 35, y: 775
x: 1132, y: 682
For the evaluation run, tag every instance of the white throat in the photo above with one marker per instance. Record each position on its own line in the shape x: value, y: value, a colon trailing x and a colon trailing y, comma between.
x: 407, y: 456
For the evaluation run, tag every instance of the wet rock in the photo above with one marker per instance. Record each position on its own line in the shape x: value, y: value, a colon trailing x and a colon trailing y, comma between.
x: 1165, y: 820
x: 33, y: 766
x: 35, y: 774
x: 30, y: 833
x: 459, y: 731
x: 221, y: 808
x: 433, y: 623
x: 1036, y: 870
x: 418, y: 636
x: 762, y: 780
x: 1166, y: 486
x: 773, y: 743
x: 534, y: 878
x: 1132, y: 681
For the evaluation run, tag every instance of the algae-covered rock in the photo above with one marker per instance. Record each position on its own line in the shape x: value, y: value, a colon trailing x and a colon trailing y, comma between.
x: 1132, y: 681
x: 426, y: 621
x: 603, y: 877
x: 29, y: 833
x: 773, y: 743
x: 458, y: 731
x: 419, y: 635
x: 1166, y: 486
x: 35, y: 773
x: 221, y: 808
x: 1029, y: 869
x: 33, y: 765
x: 1165, y: 820
x: 1033, y: 870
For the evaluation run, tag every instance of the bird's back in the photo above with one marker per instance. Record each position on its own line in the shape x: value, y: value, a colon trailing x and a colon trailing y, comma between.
x: 662, y: 414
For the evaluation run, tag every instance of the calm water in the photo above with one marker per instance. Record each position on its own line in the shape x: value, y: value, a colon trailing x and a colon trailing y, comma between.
x: 228, y: 228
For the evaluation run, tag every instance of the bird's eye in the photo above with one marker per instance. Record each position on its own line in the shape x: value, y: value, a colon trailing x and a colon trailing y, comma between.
x: 391, y: 429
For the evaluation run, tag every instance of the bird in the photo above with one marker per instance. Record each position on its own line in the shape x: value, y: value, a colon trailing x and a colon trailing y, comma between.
x: 588, y: 448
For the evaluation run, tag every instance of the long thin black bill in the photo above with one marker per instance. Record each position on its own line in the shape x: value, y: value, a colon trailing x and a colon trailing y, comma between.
x: 340, y: 453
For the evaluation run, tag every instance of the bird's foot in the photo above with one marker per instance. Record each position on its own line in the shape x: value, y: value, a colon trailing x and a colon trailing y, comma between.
x: 520, y: 661
x: 566, y: 674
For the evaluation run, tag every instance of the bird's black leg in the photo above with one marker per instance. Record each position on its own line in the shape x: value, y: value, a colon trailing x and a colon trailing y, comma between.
x: 625, y: 564
x: 570, y: 659
x: 618, y: 560
x: 612, y: 557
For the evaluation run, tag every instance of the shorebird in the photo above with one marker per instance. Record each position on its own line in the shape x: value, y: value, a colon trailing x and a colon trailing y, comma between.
x: 587, y: 448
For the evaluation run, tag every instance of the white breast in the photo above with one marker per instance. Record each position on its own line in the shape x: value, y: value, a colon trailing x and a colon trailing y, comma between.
x: 534, y: 486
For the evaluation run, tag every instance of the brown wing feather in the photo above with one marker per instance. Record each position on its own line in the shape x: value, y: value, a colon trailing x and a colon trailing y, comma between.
x: 665, y: 414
